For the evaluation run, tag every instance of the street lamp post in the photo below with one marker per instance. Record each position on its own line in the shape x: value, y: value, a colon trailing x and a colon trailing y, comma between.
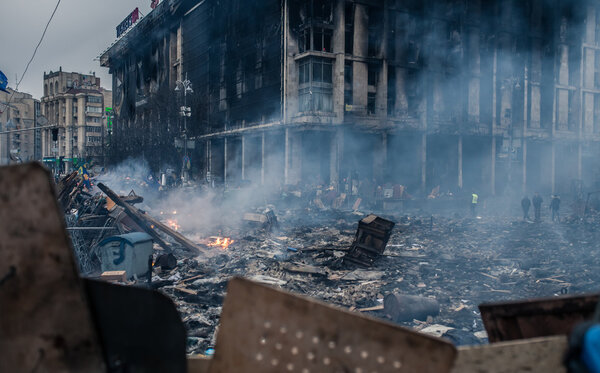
x: 185, y: 112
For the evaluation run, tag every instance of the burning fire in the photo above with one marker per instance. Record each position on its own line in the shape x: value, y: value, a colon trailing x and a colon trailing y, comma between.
x: 222, y: 243
x: 172, y: 223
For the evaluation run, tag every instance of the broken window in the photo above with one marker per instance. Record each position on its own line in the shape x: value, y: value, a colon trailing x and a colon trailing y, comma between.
x: 371, y: 103
x: 316, y: 88
x: 348, y: 83
x: 349, y: 17
x: 316, y: 39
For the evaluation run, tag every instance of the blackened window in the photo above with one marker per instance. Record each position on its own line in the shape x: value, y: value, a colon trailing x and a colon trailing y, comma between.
x: 371, y: 103
x: 315, y: 81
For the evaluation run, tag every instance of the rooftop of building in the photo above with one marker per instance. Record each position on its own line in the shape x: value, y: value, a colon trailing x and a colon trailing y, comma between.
x: 144, y: 27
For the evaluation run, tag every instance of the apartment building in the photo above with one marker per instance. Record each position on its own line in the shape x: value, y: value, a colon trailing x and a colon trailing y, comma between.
x: 75, y: 104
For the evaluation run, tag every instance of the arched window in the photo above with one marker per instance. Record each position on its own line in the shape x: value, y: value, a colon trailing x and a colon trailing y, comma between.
x: 51, y: 89
x: 46, y: 89
x: 56, y: 87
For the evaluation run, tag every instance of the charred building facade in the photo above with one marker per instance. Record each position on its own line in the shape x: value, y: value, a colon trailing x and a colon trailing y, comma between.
x: 494, y: 96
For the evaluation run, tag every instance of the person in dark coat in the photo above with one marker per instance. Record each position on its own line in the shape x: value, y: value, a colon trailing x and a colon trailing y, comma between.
x: 525, y: 204
x: 537, y: 206
x: 554, y: 207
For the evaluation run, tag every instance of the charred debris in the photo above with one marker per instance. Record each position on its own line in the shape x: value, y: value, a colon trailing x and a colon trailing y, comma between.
x: 428, y: 272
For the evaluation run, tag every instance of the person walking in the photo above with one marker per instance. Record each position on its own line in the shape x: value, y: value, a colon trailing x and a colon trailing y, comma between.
x: 525, y: 204
x: 554, y: 207
x: 474, y: 201
x: 537, y: 206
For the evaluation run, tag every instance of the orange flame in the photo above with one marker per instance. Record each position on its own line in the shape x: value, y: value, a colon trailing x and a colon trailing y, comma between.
x: 172, y: 223
x: 222, y: 243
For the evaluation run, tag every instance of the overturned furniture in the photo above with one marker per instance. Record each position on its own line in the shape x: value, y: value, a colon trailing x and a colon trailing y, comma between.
x: 371, y: 238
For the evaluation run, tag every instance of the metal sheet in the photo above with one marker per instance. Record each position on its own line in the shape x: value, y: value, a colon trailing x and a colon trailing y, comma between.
x: 539, y: 355
x: 532, y: 318
x: 45, y: 324
x: 140, y: 329
x: 268, y: 330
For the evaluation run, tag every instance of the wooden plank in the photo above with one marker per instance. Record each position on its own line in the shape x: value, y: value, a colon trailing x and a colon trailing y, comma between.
x: 135, y: 215
x: 189, y: 245
x: 198, y: 364
x: 536, y: 355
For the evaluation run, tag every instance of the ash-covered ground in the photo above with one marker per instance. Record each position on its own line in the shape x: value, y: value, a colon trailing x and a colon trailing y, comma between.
x: 459, y: 261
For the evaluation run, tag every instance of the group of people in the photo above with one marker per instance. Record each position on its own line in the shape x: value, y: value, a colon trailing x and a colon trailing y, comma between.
x: 537, y: 201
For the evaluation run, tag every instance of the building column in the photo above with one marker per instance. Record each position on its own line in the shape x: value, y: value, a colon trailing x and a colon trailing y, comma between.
x: 493, y: 166
x: 553, y: 166
x: 424, y: 163
x: 379, y: 159
x: 262, y: 158
x: 360, y: 82
x: 208, y: 160
x: 339, y: 38
x: 337, y: 147
x: 460, y: 162
x: 225, y: 160
x: 524, y: 165
x: 287, y: 156
x: 244, y: 158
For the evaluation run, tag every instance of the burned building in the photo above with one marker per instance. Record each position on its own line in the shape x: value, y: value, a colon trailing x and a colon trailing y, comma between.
x: 493, y: 96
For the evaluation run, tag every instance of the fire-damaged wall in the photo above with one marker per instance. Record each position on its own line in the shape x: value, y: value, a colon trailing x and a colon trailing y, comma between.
x: 495, y: 96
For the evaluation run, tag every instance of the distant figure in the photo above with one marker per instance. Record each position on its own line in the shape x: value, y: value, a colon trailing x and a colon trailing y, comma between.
x: 554, y: 207
x: 525, y: 204
x: 474, y: 201
x: 537, y: 206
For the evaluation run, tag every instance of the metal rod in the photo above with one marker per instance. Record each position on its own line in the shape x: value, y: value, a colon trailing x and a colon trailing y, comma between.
x: 89, y: 228
x: 28, y: 129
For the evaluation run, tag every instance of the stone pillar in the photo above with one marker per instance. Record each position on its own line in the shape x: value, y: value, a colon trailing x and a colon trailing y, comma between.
x: 225, y: 150
x: 553, y: 166
x: 293, y: 157
x: 424, y: 162
x: 493, y: 167
x: 379, y: 159
x: 208, y: 159
x: 244, y: 157
x: 337, y: 148
x: 400, y: 44
x: 460, y: 162
x: 81, y: 114
x: 360, y: 82
x: 474, y: 65
x: 68, y: 132
x: 339, y: 38
x: 287, y: 156
x: 262, y: 158
x: 524, y: 165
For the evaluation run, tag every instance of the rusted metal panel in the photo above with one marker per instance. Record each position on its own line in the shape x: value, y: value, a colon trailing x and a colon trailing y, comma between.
x: 372, y: 236
x: 45, y: 323
x: 538, y: 355
x: 267, y: 330
x: 532, y: 318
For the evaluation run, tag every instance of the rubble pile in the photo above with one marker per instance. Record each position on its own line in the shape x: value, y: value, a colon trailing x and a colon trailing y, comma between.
x: 458, y: 262
x: 446, y: 265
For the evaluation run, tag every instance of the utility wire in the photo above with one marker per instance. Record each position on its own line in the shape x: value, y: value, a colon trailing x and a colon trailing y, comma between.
x: 34, y: 52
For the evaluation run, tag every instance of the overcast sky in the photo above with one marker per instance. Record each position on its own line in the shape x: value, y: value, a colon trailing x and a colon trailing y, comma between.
x: 78, y: 33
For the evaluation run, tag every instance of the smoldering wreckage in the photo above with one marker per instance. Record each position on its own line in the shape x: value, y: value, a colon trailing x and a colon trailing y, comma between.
x: 291, y: 285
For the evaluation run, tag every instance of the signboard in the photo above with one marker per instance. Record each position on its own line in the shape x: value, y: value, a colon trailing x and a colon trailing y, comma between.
x: 132, y: 18
x: 109, y: 119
